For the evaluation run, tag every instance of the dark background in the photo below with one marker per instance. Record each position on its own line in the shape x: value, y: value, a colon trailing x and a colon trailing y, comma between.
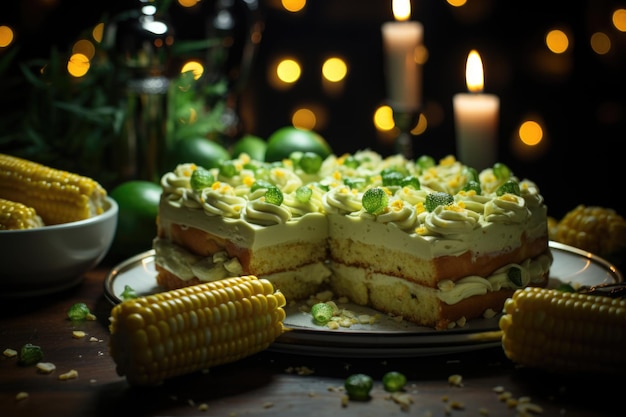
x: 579, y: 96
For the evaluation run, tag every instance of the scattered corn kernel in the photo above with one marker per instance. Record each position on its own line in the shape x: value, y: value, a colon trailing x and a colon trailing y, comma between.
x: 22, y: 395
x: 457, y: 405
x: 46, y: 367
x: 403, y: 399
x: 529, y: 408
x: 455, y: 380
x: 78, y: 334
x: 9, y: 353
x: 72, y: 374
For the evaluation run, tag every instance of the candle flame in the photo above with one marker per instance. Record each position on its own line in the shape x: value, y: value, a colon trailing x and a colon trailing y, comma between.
x: 401, y: 9
x: 474, y: 76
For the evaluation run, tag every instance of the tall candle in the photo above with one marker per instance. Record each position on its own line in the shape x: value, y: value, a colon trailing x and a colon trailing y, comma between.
x: 476, y: 118
x: 404, y: 76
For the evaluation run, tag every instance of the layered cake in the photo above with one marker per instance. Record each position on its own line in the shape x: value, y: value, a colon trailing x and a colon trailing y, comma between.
x: 436, y: 243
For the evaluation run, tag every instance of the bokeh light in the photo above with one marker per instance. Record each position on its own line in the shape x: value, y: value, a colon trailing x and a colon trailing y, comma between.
x: 195, y: 66
x: 334, y: 69
x: 288, y: 71
x: 557, y: 41
x: 6, y: 36
x: 293, y: 5
x: 78, y: 65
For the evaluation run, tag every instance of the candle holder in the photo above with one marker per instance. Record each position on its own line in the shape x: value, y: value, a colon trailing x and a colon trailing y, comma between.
x: 405, y: 120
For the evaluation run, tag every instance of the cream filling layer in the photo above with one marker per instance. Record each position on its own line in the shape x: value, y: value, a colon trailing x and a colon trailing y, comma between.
x: 534, y: 271
x: 186, y: 265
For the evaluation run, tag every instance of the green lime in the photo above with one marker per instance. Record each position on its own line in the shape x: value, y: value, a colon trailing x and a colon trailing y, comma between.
x: 358, y: 386
x: 254, y: 146
x: 394, y: 381
x: 288, y: 139
x: 198, y: 150
x: 138, y: 202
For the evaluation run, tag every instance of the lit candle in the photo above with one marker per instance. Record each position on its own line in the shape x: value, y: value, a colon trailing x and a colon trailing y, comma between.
x: 401, y: 40
x: 476, y: 119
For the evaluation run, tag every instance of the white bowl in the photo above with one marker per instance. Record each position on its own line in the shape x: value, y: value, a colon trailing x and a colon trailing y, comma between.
x: 54, y: 258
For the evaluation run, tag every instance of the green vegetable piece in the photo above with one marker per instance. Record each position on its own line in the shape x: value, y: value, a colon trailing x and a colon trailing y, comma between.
x: 394, y: 381
x: 258, y: 184
x: 473, y: 185
x: 411, y: 181
x: 375, y: 200
x: 310, y: 162
x: 438, y: 198
x: 273, y: 195
x: 78, y: 311
x: 262, y: 173
x: 323, y: 187
x: 252, y: 166
x: 128, y: 293
x: 501, y: 171
x: 351, y: 162
x: 565, y: 287
x: 511, y: 187
x: 514, y: 274
x: 228, y: 169
x: 358, y: 386
x: 391, y: 178
x: 322, y: 313
x: 424, y: 162
x: 30, y: 354
x: 295, y: 157
x: 200, y: 179
x: 471, y: 174
x: 355, y: 183
x: 303, y: 194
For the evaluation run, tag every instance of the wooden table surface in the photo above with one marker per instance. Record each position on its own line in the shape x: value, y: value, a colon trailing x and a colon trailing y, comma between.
x: 268, y: 383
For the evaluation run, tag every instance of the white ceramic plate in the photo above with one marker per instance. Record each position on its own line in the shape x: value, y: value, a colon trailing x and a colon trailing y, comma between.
x: 387, y: 337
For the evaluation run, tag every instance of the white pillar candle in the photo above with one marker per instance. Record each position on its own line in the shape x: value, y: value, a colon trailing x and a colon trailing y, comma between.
x: 403, y: 74
x: 476, y: 118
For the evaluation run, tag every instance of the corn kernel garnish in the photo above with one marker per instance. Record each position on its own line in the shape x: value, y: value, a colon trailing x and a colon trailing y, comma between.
x: 447, y: 161
x: 508, y: 197
x: 397, y: 205
x: 248, y: 180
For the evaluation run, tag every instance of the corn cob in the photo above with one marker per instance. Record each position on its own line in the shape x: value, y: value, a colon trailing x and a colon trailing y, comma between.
x: 599, y: 230
x: 197, y: 327
x: 57, y: 196
x: 565, y: 332
x: 17, y: 216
